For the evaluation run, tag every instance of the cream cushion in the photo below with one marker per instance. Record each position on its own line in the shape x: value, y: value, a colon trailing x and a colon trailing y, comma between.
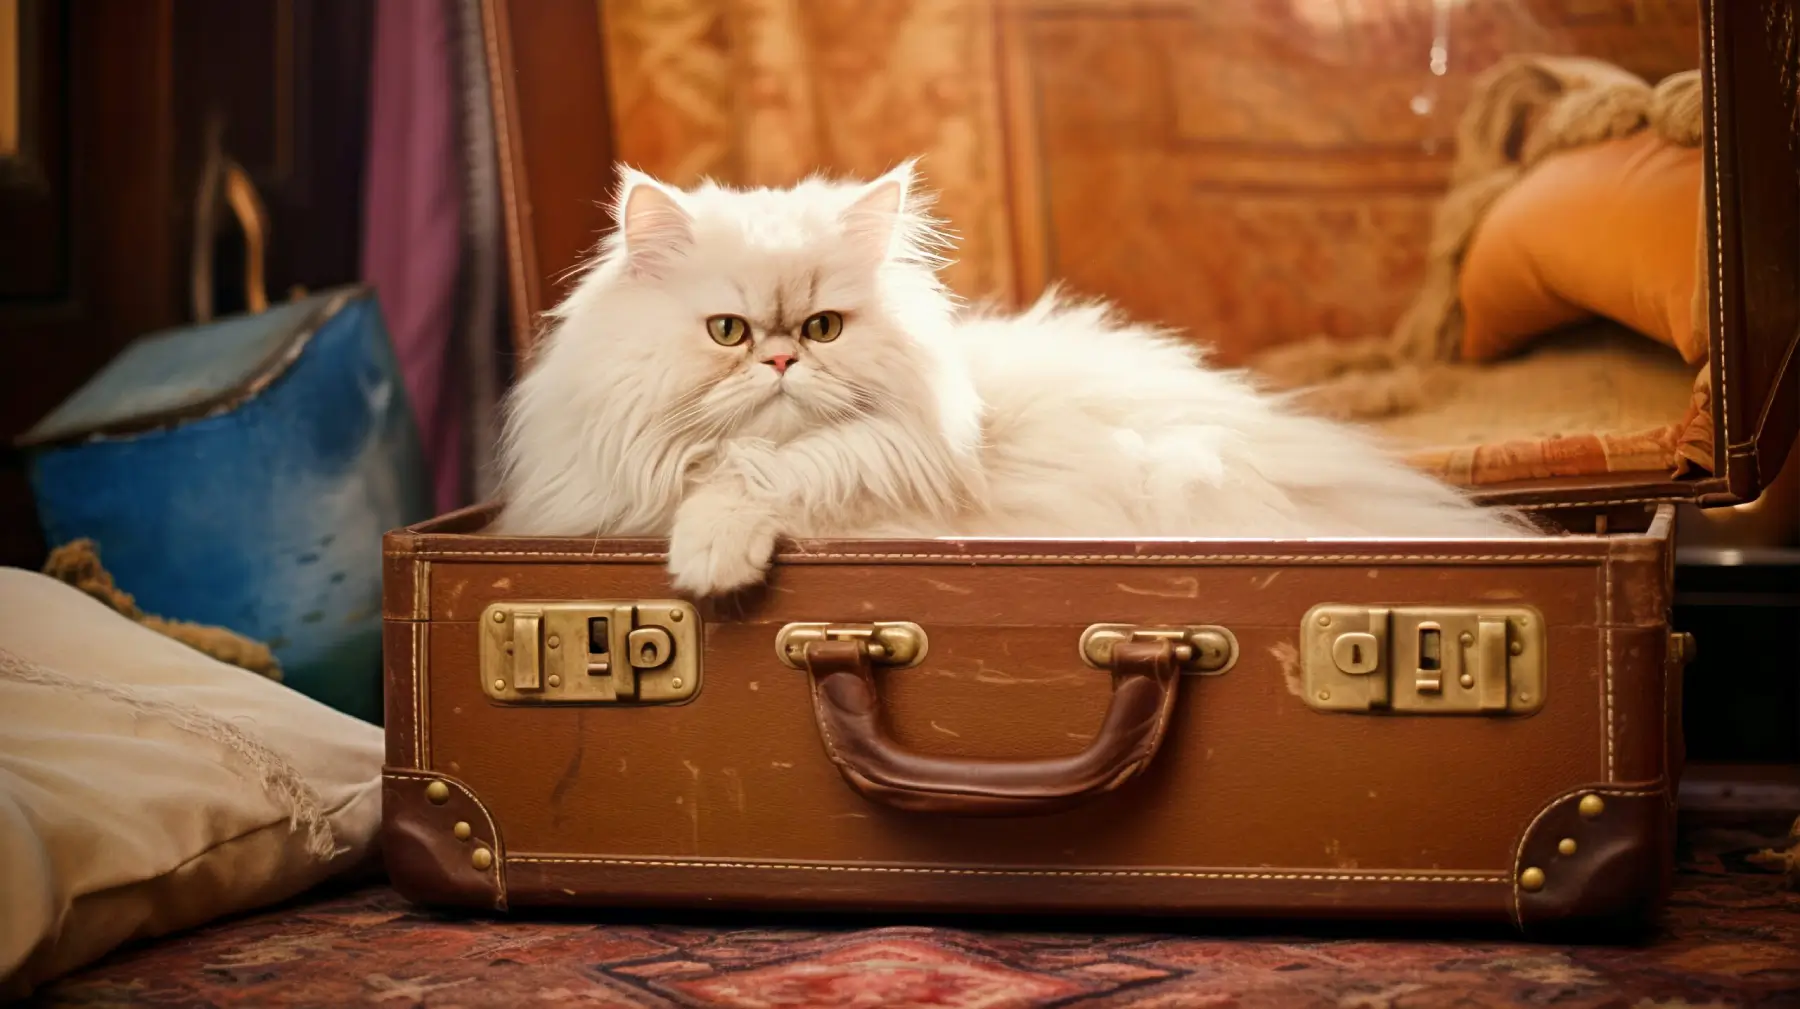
x: 146, y: 788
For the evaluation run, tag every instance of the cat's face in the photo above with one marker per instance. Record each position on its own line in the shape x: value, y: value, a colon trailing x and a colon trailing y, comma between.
x: 765, y: 312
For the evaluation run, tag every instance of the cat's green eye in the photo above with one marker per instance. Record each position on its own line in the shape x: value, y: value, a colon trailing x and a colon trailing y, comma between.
x: 823, y: 328
x: 727, y: 330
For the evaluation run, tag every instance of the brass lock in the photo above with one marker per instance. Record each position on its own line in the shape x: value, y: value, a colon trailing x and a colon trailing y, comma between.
x: 1202, y: 649
x: 606, y: 652
x: 894, y: 644
x: 1424, y: 660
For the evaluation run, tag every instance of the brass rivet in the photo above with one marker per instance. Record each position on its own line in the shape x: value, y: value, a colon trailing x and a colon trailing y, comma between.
x: 1324, y: 695
x: 1324, y: 620
x: 461, y: 830
x: 499, y: 684
x: 555, y: 680
x: 1592, y: 805
x: 1517, y: 648
x: 1466, y: 680
x: 676, y: 683
x: 499, y: 617
x: 438, y: 793
x: 481, y: 858
x: 675, y: 617
x: 1467, y: 638
x: 553, y: 642
x: 1531, y: 880
x: 1566, y: 846
x: 1525, y: 697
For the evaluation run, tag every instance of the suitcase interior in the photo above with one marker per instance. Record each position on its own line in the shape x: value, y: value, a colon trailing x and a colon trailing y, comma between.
x: 1260, y: 802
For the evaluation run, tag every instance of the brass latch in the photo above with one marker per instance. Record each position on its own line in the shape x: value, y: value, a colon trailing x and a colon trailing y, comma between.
x: 590, y: 652
x: 1203, y: 649
x: 1485, y: 660
x: 895, y: 644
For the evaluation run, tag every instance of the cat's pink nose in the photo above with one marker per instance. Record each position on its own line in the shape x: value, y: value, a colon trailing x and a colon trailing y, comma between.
x: 779, y: 362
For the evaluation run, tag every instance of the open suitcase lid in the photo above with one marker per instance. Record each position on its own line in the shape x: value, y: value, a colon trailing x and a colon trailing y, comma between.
x: 1751, y: 154
x: 1753, y: 208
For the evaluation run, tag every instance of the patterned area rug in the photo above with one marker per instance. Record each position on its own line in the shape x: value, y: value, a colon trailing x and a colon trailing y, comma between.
x: 1731, y: 938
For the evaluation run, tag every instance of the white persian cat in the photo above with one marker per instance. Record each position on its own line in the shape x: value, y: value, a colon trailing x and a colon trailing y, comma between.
x: 738, y: 365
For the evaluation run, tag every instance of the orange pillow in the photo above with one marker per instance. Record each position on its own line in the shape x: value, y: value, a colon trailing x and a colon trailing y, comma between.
x: 1608, y: 230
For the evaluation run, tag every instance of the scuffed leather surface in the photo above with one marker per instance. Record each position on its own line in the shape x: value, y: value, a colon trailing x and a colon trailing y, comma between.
x: 1255, y: 804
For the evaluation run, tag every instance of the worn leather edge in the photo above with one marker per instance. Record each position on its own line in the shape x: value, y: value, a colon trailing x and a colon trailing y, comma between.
x: 1617, y: 876
x: 406, y: 612
x: 400, y: 659
x: 426, y: 861
x: 1639, y: 577
x: 1634, y: 607
x: 1637, y: 740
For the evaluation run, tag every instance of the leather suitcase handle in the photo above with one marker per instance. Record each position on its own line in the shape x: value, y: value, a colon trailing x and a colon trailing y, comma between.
x: 848, y: 709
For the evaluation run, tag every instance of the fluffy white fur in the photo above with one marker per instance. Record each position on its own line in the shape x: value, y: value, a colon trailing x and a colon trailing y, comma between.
x: 918, y: 420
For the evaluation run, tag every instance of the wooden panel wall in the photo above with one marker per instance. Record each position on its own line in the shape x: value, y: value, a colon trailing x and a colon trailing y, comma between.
x: 767, y: 91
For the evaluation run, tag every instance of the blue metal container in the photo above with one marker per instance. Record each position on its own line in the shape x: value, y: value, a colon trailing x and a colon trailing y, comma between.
x: 241, y: 473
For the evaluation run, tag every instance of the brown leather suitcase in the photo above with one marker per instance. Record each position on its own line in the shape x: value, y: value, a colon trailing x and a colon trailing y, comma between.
x: 1468, y: 731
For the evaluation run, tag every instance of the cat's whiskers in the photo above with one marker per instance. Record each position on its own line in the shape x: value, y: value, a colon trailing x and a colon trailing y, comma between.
x: 677, y: 413
x: 689, y: 412
x: 874, y: 399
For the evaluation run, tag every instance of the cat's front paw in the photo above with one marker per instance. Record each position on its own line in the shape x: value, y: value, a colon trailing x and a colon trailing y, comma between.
x: 721, y: 542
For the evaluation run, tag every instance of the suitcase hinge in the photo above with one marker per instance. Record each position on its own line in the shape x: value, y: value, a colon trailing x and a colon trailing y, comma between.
x: 1478, y: 660
x: 894, y: 644
x: 1206, y: 650
x: 636, y: 652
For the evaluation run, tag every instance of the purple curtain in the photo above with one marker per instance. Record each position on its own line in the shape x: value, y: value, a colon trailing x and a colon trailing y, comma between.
x: 412, y: 226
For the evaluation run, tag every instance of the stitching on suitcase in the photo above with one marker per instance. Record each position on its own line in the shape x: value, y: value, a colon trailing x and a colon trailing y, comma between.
x: 651, y: 863
x: 421, y: 631
x: 1669, y: 678
x: 1718, y: 299
x: 422, y: 695
x: 422, y: 726
x: 493, y: 828
x: 421, y: 608
x: 1321, y: 559
x: 1606, y: 645
x: 824, y: 723
x: 1547, y: 505
x: 416, y: 646
x: 1518, y: 913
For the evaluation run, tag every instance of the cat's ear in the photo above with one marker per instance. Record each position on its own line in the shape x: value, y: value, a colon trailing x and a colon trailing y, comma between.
x: 653, y: 227
x: 876, y: 223
x: 890, y: 221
